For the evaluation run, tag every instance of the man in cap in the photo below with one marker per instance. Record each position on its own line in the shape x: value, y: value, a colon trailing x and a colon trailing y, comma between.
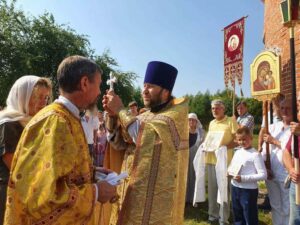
x: 155, y: 193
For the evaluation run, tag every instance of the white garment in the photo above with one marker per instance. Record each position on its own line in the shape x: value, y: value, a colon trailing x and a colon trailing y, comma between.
x: 282, y: 134
x: 275, y: 119
x: 199, y: 166
x: 133, y: 130
x: 69, y: 105
x: 221, y: 172
x: 89, y: 124
x: 17, y: 102
x: 252, y: 168
x: 280, y: 202
x: 278, y: 195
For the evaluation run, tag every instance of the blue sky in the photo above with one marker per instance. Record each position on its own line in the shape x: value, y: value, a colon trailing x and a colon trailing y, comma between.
x: 184, y: 33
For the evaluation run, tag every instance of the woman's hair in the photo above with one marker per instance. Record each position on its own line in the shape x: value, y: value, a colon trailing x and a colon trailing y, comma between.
x: 46, y: 83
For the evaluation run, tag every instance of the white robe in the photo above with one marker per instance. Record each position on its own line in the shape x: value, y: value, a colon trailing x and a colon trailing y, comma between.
x: 221, y: 172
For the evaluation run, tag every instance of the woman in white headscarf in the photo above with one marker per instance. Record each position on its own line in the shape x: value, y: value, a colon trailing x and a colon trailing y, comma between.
x: 196, y: 137
x: 28, y: 95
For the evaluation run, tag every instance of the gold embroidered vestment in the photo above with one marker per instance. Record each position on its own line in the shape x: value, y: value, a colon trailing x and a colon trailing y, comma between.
x: 155, y: 190
x: 51, y: 177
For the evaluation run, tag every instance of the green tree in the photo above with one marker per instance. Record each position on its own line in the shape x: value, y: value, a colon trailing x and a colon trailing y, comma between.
x: 124, y: 86
x: 201, y: 105
x: 137, y: 96
x: 36, y: 45
x: 30, y: 45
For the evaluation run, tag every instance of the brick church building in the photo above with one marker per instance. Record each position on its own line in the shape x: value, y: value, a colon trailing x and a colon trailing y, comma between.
x: 276, y: 37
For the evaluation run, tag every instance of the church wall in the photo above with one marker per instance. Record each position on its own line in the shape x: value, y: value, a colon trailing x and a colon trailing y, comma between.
x: 276, y: 36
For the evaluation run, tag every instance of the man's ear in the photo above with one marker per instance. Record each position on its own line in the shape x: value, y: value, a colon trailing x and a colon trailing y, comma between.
x: 84, y: 83
x: 166, y: 94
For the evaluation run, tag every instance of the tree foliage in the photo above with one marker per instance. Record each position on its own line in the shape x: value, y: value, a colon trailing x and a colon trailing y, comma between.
x: 124, y: 86
x: 36, y: 45
x: 201, y: 105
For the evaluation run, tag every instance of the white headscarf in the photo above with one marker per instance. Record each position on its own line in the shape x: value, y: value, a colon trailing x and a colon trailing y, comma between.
x: 195, y: 117
x: 17, y: 102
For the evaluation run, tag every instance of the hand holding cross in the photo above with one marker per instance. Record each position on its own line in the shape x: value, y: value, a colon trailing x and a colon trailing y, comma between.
x: 111, y: 81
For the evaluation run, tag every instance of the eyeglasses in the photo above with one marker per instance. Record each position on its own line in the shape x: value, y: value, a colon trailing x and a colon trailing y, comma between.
x: 41, y: 98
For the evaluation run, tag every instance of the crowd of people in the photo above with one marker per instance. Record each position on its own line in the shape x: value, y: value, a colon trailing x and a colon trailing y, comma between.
x: 246, y: 165
x: 56, y: 158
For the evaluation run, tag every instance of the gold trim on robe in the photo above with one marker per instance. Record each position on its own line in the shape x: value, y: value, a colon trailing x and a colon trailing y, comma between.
x: 155, y: 190
x: 51, y: 176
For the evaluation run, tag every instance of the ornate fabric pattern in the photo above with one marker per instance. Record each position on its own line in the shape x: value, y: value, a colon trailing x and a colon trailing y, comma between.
x: 155, y: 191
x: 178, y: 143
x: 127, y: 118
x: 233, y: 52
x: 152, y: 182
x: 51, y: 184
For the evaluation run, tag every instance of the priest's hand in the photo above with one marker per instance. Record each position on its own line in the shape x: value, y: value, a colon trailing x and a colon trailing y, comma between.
x: 112, y: 103
x: 106, y: 192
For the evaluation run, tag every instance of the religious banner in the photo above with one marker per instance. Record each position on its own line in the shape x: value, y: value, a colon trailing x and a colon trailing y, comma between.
x: 233, y: 52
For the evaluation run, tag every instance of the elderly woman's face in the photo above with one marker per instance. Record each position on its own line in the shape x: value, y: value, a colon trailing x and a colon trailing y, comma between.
x: 192, y: 123
x: 38, y: 100
x: 218, y: 111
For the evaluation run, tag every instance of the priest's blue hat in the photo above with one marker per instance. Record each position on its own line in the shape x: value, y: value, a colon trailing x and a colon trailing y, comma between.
x: 161, y: 74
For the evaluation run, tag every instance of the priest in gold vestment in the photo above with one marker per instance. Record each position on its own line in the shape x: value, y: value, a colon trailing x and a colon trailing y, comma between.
x: 155, y: 190
x: 117, y: 151
x: 51, y: 180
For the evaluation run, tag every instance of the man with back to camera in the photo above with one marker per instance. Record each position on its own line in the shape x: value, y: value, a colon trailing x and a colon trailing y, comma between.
x: 51, y: 179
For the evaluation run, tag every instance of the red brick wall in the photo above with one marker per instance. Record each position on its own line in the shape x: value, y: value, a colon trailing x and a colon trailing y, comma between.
x: 276, y: 35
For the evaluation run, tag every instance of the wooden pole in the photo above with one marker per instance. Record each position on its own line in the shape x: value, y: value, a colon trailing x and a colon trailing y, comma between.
x: 294, y: 107
x: 266, y: 119
x: 271, y: 112
x: 233, y: 100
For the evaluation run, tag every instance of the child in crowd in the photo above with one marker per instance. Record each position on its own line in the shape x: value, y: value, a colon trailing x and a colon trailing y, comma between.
x: 101, y: 143
x: 246, y: 168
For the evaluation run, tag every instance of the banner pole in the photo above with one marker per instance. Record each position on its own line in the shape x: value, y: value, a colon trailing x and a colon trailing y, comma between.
x: 294, y: 107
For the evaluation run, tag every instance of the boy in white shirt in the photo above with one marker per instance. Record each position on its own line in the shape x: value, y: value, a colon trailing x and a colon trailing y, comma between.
x: 246, y: 168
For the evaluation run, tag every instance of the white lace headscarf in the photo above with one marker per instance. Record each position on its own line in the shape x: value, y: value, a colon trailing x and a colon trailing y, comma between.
x: 17, y: 102
x: 195, y: 117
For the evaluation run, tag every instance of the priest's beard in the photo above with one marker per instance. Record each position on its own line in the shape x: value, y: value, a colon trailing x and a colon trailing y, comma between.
x: 155, y: 100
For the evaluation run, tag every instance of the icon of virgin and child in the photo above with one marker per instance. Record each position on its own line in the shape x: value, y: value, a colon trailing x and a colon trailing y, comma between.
x: 265, y: 79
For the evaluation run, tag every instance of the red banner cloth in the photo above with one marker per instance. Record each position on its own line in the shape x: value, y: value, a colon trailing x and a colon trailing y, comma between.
x: 233, y: 52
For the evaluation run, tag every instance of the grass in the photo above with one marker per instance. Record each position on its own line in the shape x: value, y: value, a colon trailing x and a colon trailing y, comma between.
x: 199, y: 216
